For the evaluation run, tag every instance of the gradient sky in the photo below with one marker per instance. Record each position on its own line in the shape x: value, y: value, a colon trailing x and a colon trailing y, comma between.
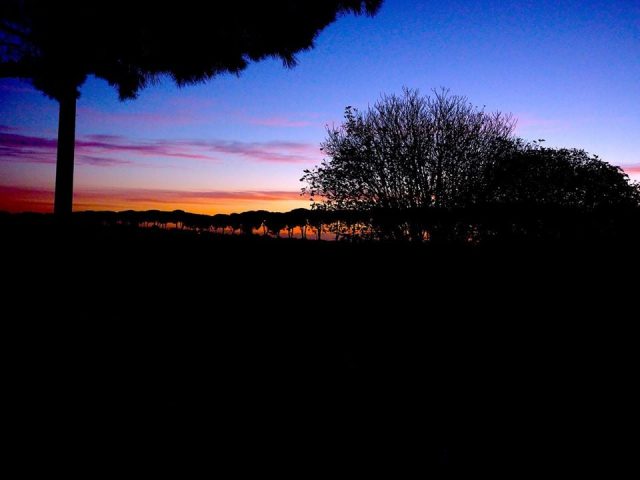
x: 568, y: 70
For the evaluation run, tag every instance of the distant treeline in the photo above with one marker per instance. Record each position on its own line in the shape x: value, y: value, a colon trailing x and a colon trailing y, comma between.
x: 433, y: 225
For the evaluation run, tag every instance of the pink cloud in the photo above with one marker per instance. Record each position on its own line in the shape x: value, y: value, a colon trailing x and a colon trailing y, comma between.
x: 273, y: 151
x: 14, y: 147
x: 18, y: 199
x: 529, y: 122
x: 101, y: 161
x: 8, y: 140
x: 190, y: 111
x: 98, y: 117
x: 114, y: 143
x: 112, y: 150
x: 190, y: 102
x: 632, y: 170
x: 170, y: 197
x: 272, y: 195
x: 278, y: 122
x: 295, y: 120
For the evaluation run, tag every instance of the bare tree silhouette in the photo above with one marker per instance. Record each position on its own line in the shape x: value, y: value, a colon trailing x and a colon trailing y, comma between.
x: 57, y: 45
x: 409, y: 151
x: 437, y: 168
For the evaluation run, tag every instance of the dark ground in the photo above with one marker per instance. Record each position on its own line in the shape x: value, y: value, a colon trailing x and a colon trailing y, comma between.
x: 130, y: 350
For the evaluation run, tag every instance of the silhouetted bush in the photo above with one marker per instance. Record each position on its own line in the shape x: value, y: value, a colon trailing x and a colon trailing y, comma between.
x: 438, y: 169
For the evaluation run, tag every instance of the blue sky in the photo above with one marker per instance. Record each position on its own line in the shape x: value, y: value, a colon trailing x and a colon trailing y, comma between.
x: 568, y: 70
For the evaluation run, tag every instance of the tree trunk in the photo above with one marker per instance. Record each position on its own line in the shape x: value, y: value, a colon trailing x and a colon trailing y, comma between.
x: 64, y: 165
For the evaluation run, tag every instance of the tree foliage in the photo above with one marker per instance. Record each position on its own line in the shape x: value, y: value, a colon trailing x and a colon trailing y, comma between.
x: 570, y: 178
x: 409, y: 151
x: 56, y: 45
x: 132, y: 43
x: 415, y: 152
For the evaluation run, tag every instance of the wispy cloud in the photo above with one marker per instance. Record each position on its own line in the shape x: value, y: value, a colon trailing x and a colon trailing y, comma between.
x: 193, y: 111
x: 24, y: 148
x: 124, y: 119
x: 101, y: 161
x: 632, y: 170
x: 113, y: 150
x: 272, y: 151
x: 18, y: 199
x: 23, y: 199
x: 278, y: 122
x: 181, y: 111
x: 174, y: 197
x: 158, y: 148
x: 527, y: 122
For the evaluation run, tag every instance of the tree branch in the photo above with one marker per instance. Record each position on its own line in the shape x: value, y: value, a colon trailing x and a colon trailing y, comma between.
x: 8, y: 44
x: 11, y: 30
x: 13, y: 69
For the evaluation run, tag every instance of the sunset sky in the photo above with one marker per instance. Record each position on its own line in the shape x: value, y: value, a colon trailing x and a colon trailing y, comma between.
x: 568, y: 70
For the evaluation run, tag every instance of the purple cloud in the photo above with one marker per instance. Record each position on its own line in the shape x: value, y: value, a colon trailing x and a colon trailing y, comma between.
x: 112, y: 150
x: 14, y: 147
x: 526, y: 122
x: 274, y: 151
x: 101, y: 161
x: 632, y: 170
x: 10, y: 140
x: 278, y: 122
x: 183, y: 117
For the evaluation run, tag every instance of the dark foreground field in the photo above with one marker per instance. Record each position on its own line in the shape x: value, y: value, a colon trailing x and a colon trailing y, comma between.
x: 151, y: 351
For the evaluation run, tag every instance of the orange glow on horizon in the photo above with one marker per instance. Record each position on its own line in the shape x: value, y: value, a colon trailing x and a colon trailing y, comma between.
x: 15, y: 199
